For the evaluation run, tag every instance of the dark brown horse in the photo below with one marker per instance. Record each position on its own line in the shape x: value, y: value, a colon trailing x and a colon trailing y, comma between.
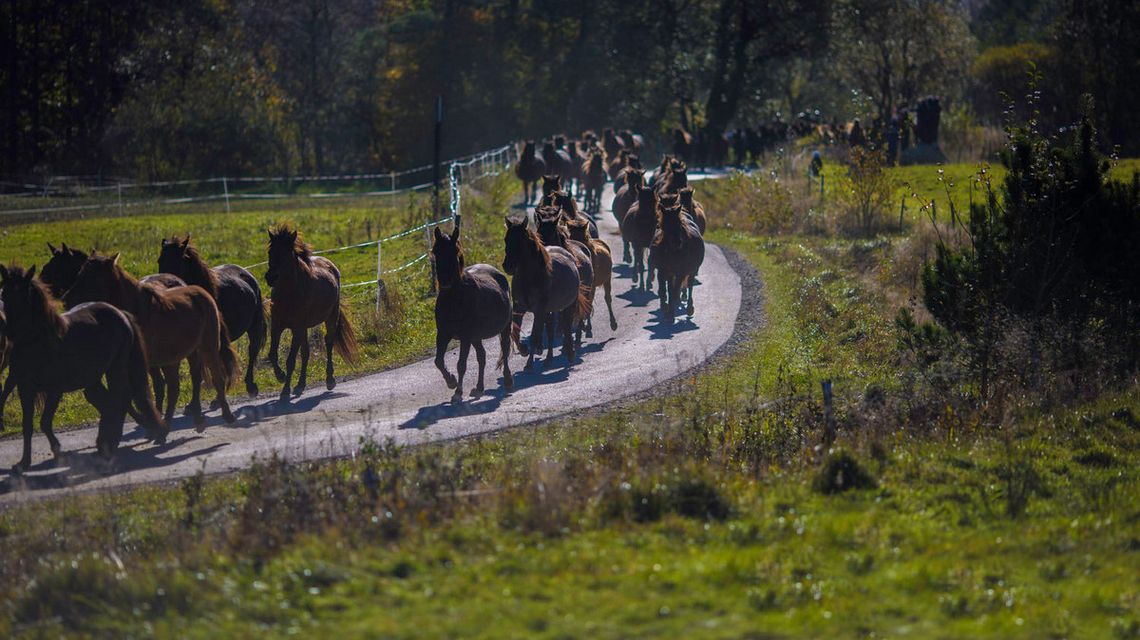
x: 5, y: 352
x: 569, y: 208
x: 603, y: 263
x: 625, y: 197
x: 178, y: 323
x: 593, y: 181
x: 544, y: 281
x: 554, y: 233
x: 558, y: 163
x: 632, y: 163
x: 677, y: 253
x: 530, y: 168
x: 60, y: 271
x: 474, y: 303
x: 612, y: 143
x: 637, y: 229
x: 694, y: 209
x: 306, y: 293
x: 54, y: 353
x: 673, y: 180
x: 234, y: 289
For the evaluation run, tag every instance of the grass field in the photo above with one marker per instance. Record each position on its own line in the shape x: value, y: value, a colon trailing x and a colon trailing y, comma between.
x: 702, y: 512
x: 393, y: 337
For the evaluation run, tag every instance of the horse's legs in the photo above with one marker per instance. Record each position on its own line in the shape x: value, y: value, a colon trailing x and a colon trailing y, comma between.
x: 648, y: 282
x: 274, y: 342
x: 636, y: 266
x: 212, y: 361
x: 566, y: 317
x: 159, y: 387
x: 51, y: 403
x: 330, y: 338
x: 28, y: 406
x: 170, y: 377
x: 548, y: 324
x: 255, y: 336
x: 505, y: 354
x: 663, y: 295
x: 290, y: 362
x: 9, y: 385
x: 689, y: 310
x: 303, y: 374
x: 441, y: 342
x: 461, y: 368
x: 609, y: 301
x: 194, y: 407
x: 114, y: 412
x: 481, y: 357
x: 626, y: 257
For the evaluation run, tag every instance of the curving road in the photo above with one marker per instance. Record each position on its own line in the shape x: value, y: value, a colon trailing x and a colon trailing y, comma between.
x: 411, y: 405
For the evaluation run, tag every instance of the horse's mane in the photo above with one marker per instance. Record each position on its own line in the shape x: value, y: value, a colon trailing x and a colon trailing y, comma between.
x: 44, y: 309
x: 197, y: 271
x: 300, y: 248
x: 535, y: 246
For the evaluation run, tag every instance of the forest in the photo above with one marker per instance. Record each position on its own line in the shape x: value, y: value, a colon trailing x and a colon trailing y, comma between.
x: 169, y: 89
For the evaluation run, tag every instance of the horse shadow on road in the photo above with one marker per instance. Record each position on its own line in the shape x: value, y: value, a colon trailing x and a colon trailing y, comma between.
x: 637, y: 297
x: 661, y: 329
x: 76, y: 468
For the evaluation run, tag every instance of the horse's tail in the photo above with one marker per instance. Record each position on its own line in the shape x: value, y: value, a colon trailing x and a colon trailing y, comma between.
x: 344, y: 338
x: 227, y: 353
x: 218, y: 337
x: 139, y: 382
x: 258, y: 329
x: 583, y: 306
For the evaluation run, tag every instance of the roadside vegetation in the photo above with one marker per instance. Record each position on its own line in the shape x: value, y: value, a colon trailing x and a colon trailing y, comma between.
x: 722, y: 507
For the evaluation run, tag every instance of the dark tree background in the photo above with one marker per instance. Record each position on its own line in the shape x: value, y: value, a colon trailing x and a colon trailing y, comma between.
x: 194, y: 88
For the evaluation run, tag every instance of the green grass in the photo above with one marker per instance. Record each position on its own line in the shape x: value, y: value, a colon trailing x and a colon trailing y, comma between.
x: 393, y: 338
x: 690, y: 514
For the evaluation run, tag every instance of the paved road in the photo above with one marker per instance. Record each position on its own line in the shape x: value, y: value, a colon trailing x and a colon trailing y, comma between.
x: 412, y: 404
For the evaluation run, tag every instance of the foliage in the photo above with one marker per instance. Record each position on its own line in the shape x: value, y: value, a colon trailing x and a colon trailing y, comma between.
x: 1007, y: 71
x: 868, y: 190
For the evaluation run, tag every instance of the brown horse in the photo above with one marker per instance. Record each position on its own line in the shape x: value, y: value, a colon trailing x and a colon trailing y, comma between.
x: 569, y: 208
x: 612, y: 143
x: 677, y: 253
x: 694, y: 209
x: 558, y: 163
x: 544, y: 281
x: 530, y: 168
x: 54, y: 353
x: 637, y: 229
x: 603, y: 263
x: 593, y: 181
x: 234, y: 289
x: 179, y: 323
x: 5, y: 352
x: 474, y: 303
x: 60, y: 271
x: 632, y: 163
x: 625, y: 197
x: 305, y: 292
x: 675, y: 179
x: 552, y: 229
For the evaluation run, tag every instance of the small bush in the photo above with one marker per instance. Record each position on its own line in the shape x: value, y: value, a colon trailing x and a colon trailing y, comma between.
x: 842, y: 472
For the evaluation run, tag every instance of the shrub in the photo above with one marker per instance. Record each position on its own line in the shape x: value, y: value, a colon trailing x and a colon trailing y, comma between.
x: 842, y: 472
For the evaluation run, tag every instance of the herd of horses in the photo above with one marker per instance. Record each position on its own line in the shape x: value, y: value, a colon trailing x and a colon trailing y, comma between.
x: 83, y: 323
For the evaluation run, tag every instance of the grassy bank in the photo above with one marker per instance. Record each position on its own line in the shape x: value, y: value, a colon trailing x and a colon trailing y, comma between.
x: 708, y: 511
x: 397, y: 335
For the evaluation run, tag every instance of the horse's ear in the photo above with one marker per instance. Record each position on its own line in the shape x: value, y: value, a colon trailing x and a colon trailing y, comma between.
x: 31, y: 273
x: 507, y: 222
x: 54, y: 251
x: 165, y: 242
x: 293, y: 234
x: 438, y: 234
x: 115, y: 259
x: 455, y: 231
x: 186, y: 242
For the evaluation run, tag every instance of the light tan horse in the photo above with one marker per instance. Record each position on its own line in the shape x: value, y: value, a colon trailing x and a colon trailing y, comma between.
x: 603, y: 261
x: 179, y: 323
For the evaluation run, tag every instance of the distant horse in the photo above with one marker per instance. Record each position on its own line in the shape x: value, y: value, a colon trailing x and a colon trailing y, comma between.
x: 677, y: 252
x: 626, y: 196
x: 544, y: 281
x: 682, y: 145
x: 674, y: 180
x: 474, y: 303
x: 569, y: 208
x: 179, y: 323
x: 637, y: 229
x: 554, y: 233
x: 632, y: 141
x: 572, y: 165
x: 617, y: 164
x: 662, y: 173
x: 530, y: 168
x: 694, y: 209
x: 53, y: 353
x: 632, y: 163
x: 612, y: 143
x: 594, y: 180
x: 603, y: 264
x: 234, y: 289
x: 305, y: 292
x: 558, y: 163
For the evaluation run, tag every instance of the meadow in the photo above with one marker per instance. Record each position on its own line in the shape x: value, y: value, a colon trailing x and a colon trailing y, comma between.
x: 714, y: 508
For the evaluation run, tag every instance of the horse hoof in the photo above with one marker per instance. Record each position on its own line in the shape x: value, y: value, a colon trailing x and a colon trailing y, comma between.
x: 251, y: 389
x: 20, y: 467
x: 613, y: 325
x: 457, y: 397
x: 330, y: 383
x: 451, y: 381
x: 298, y: 390
x: 508, y: 382
x: 228, y: 416
x: 477, y: 392
x: 284, y: 396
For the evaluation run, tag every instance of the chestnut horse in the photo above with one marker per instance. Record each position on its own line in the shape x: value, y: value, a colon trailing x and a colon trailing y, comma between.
x: 552, y: 229
x: 530, y: 168
x: 474, y: 303
x: 234, y: 289
x: 637, y: 229
x: 593, y: 181
x: 305, y: 292
x: 178, y: 323
x: 603, y: 263
x: 694, y: 209
x: 53, y: 353
x: 677, y: 253
x: 544, y: 281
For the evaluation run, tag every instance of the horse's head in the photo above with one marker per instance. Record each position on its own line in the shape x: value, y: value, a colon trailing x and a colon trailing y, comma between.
x: 98, y: 281
x: 447, y: 255
x: 286, y: 249
x: 579, y: 230
x: 647, y: 200
x: 528, y: 148
x: 566, y: 203
x: 515, y: 244
x: 548, y: 149
x: 550, y: 184
x: 669, y: 219
x: 172, y: 256
x: 26, y: 304
x: 635, y: 179
x: 633, y: 160
x: 559, y: 142
x: 60, y: 271
x: 549, y: 221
